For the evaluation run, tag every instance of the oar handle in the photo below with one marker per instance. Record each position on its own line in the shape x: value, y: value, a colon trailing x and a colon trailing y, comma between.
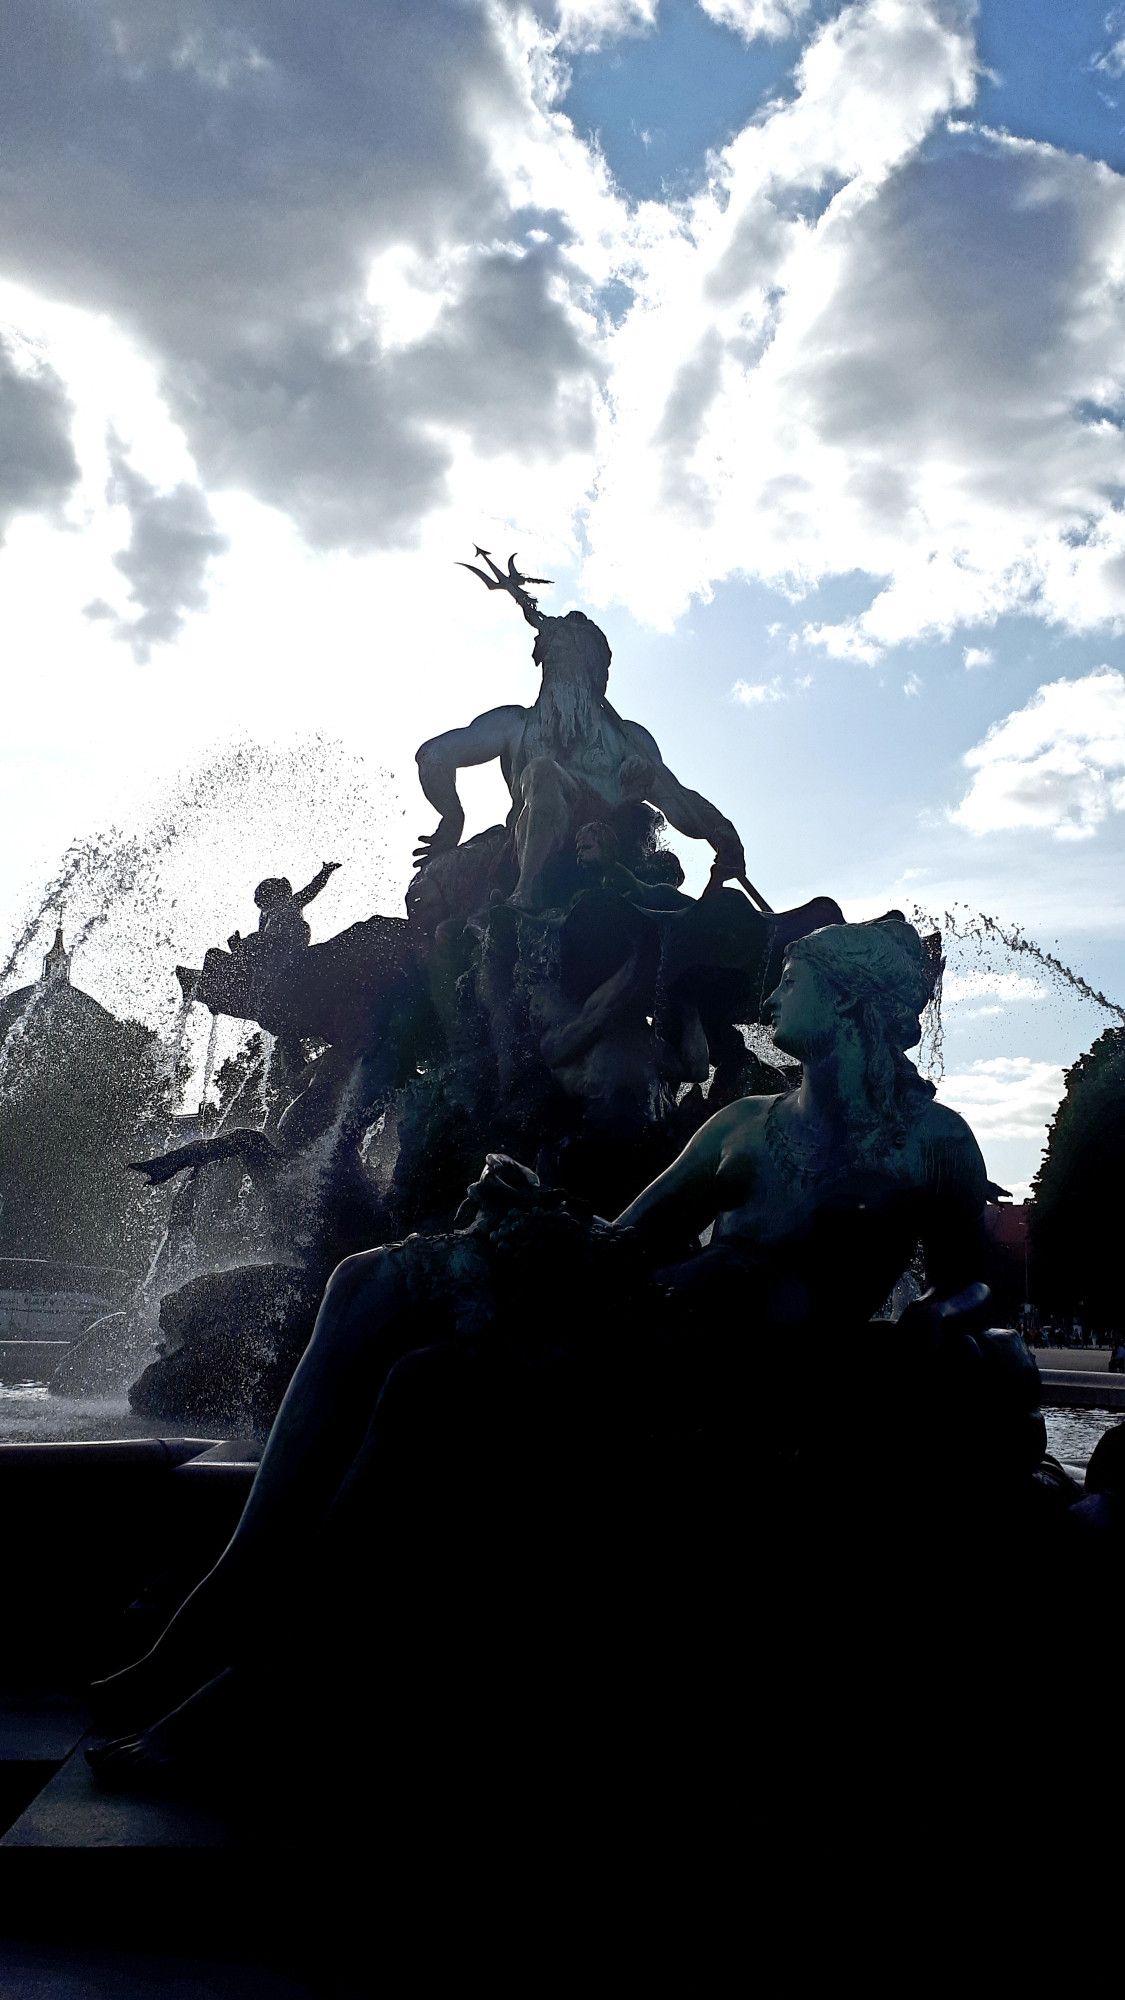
x: 717, y: 878
x: 745, y: 883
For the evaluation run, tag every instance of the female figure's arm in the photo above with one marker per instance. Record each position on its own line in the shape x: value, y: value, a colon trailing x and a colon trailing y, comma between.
x: 685, y: 1196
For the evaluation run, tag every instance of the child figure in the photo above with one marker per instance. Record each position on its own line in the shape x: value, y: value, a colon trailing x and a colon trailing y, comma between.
x: 281, y: 926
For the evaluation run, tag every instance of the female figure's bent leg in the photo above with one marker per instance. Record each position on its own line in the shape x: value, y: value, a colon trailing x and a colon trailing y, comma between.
x: 362, y: 1329
x: 376, y: 1604
x: 421, y: 1560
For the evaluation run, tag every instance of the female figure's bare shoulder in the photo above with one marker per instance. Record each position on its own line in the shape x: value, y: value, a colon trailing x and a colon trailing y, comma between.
x: 738, y: 1124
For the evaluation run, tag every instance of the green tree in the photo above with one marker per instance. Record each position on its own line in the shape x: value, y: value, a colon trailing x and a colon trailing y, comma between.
x: 1079, y: 1190
x: 82, y: 1094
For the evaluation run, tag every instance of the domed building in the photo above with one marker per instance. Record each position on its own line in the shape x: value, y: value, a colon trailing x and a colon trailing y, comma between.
x: 81, y: 1093
x: 54, y: 996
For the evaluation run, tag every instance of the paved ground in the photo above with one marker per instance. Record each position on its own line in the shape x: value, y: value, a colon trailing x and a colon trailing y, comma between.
x: 48, y: 1972
x: 1096, y: 1358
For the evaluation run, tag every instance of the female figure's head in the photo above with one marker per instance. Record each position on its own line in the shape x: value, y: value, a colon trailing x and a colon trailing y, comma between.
x: 857, y: 991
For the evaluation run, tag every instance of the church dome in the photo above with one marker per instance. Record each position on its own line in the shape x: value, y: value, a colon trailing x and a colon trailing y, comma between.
x: 52, y: 997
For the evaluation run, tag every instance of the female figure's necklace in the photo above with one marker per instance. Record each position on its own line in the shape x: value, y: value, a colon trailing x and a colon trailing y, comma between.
x: 802, y: 1160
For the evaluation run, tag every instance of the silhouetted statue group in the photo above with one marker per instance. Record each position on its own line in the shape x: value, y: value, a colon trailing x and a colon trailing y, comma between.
x: 550, y: 993
x: 665, y: 1279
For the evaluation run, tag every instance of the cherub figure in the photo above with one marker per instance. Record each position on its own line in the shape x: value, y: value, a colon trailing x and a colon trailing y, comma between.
x: 281, y: 924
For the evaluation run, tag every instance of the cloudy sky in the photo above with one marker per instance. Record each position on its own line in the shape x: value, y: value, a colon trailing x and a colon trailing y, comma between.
x: 786, y: 335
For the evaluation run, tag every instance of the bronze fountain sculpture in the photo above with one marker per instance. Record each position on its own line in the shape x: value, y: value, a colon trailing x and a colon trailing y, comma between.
x: 549, y: 990
x: 652, y: 1387
x: 581, y: 1330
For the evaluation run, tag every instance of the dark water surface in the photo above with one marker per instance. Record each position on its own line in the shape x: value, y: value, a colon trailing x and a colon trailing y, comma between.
x: 29, y: 1415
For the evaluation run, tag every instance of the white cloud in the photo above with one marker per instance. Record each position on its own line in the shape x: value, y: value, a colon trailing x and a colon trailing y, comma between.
x: 1007, y: 987
x: 769, y: 20
x: 172, y: 542
x: 587, y: 24
x: 859, y: 355
x: 362, y: 277
x: 1004, y: 460
x: 1112, y: 59
x: 843, y: 642
x: 1005, y: 1097
x: 736, y: 444
x: 912, y: 685
x: 755, y: 694
x: 977, y: 656
x: 1057, y: 764
x: 385, y: 296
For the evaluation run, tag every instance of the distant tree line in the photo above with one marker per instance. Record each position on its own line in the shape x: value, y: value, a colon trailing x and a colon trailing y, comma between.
x: 1078, y: 1238
x: 80, y: 1097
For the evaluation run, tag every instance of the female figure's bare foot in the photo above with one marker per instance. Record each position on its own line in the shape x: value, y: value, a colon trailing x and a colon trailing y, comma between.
x: 193, y: 1740
x: 195, y: 1646
x: 139, y: 1762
